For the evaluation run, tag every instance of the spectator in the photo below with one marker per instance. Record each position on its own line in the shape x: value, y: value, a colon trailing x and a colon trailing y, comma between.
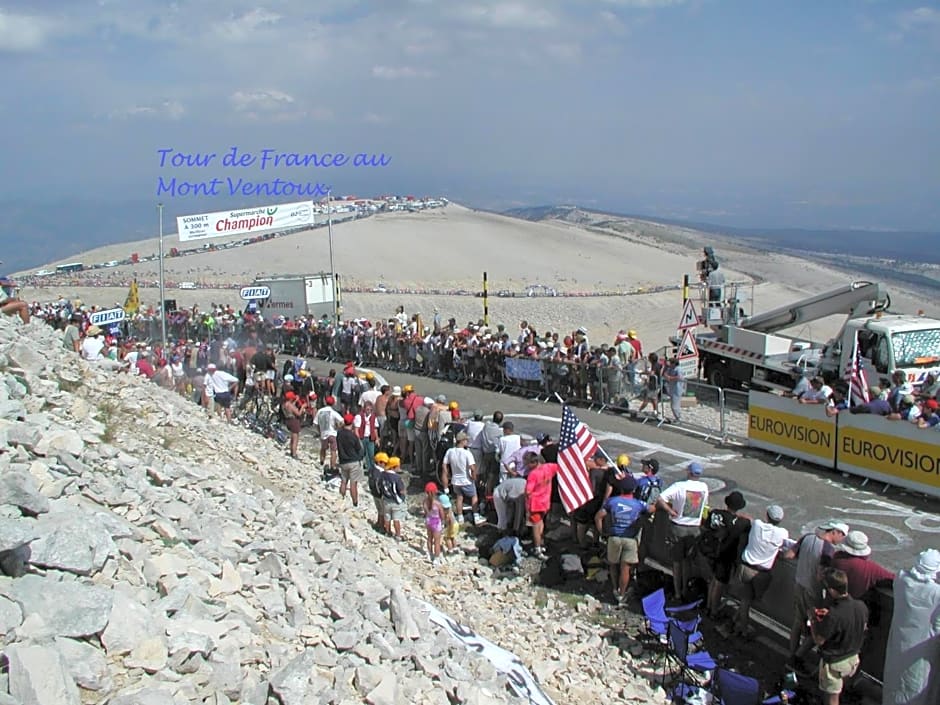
x: 876, y: 404
x: 349, y: 449
x: 675, y: 384
x: 912, y: 658
x: 510, y: 495
x: 538, y: 501
x: 393, y: 497
x: 812, y: 553
x: 819, y: 392
x: 720, y: 543
x: 9, y: 304
x: 460, y: 471
x: 685, y: 503
x: 838, y: 629
x: 291, y: 412
x: 328, y: 422
x: 764, y: 542
x: 374, y: 477
x: 622, y: 547
x: 508, y: 444
x: 853, y: 557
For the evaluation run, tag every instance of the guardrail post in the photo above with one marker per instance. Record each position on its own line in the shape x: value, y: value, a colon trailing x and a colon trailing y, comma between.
x: 722, y: 423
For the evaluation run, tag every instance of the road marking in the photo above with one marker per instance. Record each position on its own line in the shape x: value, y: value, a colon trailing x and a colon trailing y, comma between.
x: 649, y: 447
x: 913, y: 519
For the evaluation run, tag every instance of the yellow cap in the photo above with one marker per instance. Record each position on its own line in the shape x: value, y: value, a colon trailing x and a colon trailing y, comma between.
x: 408, y: 388
x: 381, y: 457
x: 453, y: 405
x: 623, y: 460
x: 631, y: 333
x: 393, y: 462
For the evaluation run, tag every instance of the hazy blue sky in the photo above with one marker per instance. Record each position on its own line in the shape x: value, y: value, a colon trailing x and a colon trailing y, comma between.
x: 747, y: 112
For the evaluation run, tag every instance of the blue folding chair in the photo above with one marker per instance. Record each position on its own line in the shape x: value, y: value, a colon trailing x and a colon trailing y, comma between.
x: 690, y: 663
x: 658, y: 616
x: 730, y: 688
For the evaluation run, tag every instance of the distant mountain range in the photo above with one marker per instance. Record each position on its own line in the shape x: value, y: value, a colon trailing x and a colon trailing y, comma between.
x: 907, y: 246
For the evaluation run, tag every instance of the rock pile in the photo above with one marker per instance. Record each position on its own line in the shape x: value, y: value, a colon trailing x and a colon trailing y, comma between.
x: 152, y: 556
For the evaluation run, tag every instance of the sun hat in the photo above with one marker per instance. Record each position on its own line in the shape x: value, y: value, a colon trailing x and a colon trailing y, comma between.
x: 735, y: 501
x: 211, y: 366
x: 93, y: 331
x: 396, y: 391
x: 835, y: 525
x: 856, y: 544
x: 478, y: 415
x: 428, y: 401
x: 928, y: 564
x: 444, y: 499
x: 431, y: 487
x: 440, y: 399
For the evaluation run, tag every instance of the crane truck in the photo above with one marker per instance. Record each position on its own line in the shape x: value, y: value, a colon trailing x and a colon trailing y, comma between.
x: 738, y: 351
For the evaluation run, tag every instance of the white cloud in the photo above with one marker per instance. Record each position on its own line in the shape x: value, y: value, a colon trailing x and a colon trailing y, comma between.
x: 393, y: 73
x: 508, y: 15
x: 260, y: 101
x: 374, y: 119
x: 248, y: 25
x: 167, y: 109
x: 920, y: 18
x: 24, y: 32
x: 645, y: 4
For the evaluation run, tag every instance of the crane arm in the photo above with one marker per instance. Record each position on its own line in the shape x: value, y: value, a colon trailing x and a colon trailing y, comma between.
x: 859, y: 298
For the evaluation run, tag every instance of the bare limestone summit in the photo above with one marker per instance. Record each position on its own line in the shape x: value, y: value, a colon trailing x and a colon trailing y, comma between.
x: 152, y: 556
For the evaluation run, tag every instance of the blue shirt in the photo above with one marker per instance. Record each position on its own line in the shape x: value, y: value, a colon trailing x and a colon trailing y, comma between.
x: 624, y: 511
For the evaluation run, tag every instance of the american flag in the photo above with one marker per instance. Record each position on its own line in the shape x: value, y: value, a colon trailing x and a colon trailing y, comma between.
x: 575, y: 445
x: 855, y: 376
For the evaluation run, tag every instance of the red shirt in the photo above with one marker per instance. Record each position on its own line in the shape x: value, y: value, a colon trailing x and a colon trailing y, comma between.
x: 861, y: 571
x: 538, y: 487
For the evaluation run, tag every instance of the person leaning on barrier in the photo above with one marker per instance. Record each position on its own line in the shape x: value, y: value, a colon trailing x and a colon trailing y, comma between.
x: 819, y: 392
x: 685, y: 502
x: 877, y: 404
x: 812, y: 552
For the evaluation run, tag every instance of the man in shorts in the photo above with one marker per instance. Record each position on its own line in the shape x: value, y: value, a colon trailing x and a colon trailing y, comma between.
x: 328, y: 422
x: 379, y: 463
x: 685, y: 502
x: 625, y: 523
x: 538, y: 490
x: 460, y: 471
x: 349, y: 448
x: 838, y: 629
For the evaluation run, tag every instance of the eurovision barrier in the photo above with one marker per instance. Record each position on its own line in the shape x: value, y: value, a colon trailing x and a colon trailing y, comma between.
x: 896, y: 452
x: 784, y: 426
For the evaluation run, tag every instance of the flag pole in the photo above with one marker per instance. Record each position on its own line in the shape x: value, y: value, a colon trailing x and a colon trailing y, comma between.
x: 162, y: 289
x: 599, y: 447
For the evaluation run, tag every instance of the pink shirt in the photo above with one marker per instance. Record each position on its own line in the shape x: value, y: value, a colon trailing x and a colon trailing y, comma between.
x: 538, y: 487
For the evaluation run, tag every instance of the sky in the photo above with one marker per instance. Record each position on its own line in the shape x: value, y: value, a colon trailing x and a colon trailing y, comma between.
x: 747, y: 113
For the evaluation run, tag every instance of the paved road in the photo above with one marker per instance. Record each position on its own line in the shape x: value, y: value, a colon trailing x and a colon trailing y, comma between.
x: 899, y: 524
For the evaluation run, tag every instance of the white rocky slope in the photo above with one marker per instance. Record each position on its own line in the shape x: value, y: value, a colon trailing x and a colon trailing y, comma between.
x: 151, y: 556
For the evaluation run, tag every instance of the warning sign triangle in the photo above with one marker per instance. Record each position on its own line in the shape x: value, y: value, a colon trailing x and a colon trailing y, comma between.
x: 689, y: 316
x: 687, y: 348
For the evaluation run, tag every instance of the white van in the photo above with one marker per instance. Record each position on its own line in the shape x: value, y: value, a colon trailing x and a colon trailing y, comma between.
x: 187, y: 285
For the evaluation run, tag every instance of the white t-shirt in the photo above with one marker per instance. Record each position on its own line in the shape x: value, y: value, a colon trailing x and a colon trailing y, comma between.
x: 369, y: 395
x: 763, y: 544
x: 328, y: 420
x: 219, y: 382
x: 459, y: 461
x: 473, y: 430
x: 505, y: 447
x: 92, y: 347
x: 688, y: 498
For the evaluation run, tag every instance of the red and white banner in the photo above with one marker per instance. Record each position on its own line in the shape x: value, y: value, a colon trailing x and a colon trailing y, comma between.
x: 246, y: 221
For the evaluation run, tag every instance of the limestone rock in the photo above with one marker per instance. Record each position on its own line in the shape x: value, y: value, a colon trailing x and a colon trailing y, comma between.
x: 69, y: 607
x: 72, y: 541
x: 87, y: 665
x: 40, y: 676
x: 20, y: 490
x: 16, y: 532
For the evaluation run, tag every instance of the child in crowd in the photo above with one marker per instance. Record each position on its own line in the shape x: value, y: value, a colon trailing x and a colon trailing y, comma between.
x: 393, y: 497
x: 433, y: 520
x: 374, y: 474
x: 451, y: 527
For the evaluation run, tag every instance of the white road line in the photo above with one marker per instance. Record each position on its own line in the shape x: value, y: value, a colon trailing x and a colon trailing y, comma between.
x: 649, y: 447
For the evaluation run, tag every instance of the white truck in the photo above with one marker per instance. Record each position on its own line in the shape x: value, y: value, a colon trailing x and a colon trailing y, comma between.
x: 738, y: 351
x: 293, y: 295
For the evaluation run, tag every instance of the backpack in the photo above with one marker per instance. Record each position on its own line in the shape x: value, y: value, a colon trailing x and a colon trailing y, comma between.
x: 374, y: 478
x: 648, y: 489
x: 716, y: 534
